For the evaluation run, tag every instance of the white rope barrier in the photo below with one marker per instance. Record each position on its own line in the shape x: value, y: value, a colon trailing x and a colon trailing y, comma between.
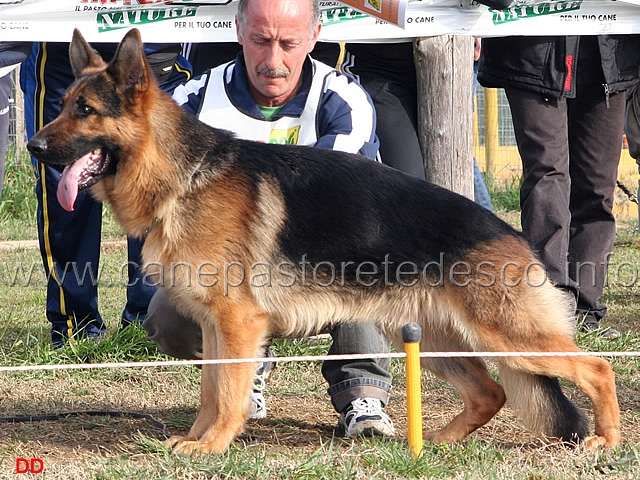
x: 304, y: 358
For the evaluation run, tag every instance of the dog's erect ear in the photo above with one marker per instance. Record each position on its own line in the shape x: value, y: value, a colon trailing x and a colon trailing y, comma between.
x: 81, y: 55
x: 128, y: 65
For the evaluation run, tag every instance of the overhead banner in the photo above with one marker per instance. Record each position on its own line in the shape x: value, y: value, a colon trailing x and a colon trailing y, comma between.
x: 391, y: 11
x: 213, y: 20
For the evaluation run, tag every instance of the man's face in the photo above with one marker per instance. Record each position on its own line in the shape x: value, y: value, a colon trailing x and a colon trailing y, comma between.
x: 276, y: 39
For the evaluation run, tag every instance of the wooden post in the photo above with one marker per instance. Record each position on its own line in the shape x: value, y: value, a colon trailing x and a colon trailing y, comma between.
x: 444, y: 68
x: 21, y: 129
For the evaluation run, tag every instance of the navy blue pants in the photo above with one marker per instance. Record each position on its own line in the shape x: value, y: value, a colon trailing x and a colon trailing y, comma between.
x: 70, y: 241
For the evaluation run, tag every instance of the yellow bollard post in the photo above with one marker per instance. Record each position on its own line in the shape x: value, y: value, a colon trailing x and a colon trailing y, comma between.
x: 491, y: 130
x: 411, y: 334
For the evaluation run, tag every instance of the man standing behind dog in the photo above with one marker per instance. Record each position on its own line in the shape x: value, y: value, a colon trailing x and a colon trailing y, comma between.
x: 274, y: 92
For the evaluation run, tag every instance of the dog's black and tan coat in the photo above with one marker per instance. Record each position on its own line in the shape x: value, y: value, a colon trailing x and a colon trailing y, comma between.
x: 255, y: 240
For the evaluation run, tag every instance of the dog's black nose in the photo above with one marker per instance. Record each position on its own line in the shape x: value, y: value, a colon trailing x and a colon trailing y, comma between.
x: 37, y: 145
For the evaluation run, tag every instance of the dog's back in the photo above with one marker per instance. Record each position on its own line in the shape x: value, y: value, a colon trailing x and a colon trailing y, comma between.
x: 358, y: 204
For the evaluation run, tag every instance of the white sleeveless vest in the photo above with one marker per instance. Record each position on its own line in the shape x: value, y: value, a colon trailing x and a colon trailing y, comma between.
x: 218, y: 111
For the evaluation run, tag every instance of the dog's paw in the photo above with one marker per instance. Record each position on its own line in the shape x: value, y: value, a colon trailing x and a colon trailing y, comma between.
x: 188, y: 447
x: 596, y: 441
x: 191, y: 446
x: 174, y: 442
x: 438, y: 437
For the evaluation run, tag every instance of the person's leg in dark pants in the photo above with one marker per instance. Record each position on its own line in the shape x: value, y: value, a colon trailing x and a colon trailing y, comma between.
x: 139, y: 289
x: 570, y: 151
x: 388, y: 74
x: 595, y: 136
x: 70, y: 249
x: 540, y: 126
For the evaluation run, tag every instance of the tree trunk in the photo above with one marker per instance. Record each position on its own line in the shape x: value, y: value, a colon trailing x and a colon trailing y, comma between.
x: 444, y: 69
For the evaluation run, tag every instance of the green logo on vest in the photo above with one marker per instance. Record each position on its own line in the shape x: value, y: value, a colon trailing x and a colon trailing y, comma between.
x: 285, y: 137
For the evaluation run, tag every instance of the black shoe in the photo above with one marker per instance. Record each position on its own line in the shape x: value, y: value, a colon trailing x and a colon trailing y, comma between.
x: 608, y: 333
x: 90, y: 331
x: 132, y: 319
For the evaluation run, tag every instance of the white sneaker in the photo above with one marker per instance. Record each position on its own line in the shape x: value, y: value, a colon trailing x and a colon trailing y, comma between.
x: 365, y: 416
x: 258, y: 405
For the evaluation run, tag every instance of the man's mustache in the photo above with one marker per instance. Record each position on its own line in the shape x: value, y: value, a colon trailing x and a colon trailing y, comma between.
x: 273, y: 72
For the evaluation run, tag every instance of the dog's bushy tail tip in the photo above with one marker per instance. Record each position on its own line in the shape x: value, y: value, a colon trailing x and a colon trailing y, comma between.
x: 543, y: 407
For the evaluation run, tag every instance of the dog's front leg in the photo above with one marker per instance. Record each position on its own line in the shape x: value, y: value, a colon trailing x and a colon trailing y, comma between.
x: 225, y: 388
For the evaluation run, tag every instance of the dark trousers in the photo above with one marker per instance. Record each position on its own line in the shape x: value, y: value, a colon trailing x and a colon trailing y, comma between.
x: 570, y: 149
x: 387, y: 72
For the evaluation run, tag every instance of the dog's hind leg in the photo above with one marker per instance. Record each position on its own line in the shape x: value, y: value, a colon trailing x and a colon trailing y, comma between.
x: 482, y: 396
x: 225, y: 388
x: 538, y: 396
x: 537, y: 319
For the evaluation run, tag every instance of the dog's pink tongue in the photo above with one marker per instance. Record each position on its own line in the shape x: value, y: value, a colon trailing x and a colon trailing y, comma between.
x: 68, y: 185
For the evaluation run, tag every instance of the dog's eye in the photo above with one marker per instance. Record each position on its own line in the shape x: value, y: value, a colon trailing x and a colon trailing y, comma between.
x: 86, y: 109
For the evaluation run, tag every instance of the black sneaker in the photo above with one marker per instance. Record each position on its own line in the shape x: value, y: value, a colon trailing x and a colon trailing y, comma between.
x: 58, y: 338
x: 608, y: 333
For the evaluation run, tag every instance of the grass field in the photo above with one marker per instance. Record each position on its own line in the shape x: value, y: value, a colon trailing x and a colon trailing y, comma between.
x: 299, y: 438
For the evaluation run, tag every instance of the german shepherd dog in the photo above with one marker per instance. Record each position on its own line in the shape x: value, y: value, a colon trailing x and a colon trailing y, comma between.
x: 305, y: 238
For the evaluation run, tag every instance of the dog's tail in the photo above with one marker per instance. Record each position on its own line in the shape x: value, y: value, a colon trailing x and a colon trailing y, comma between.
x: 542, y: 405
x: 542, y: 318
